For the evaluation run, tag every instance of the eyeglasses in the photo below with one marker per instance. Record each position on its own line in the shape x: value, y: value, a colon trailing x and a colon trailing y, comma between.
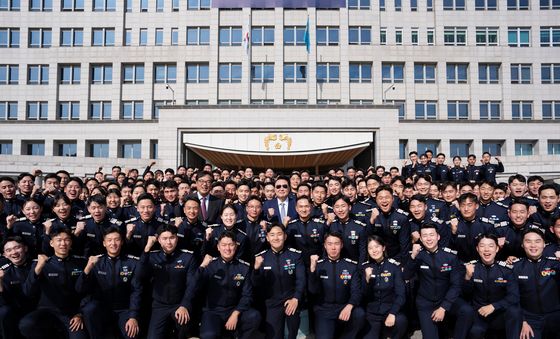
x: 204, y: 182
x: 281, y: 186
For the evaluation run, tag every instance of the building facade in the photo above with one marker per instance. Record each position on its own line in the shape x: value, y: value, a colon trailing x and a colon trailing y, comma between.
x: 83, y: 83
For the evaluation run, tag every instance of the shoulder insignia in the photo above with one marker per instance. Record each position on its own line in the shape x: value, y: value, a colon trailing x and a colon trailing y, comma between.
x: 394, y: 262
x: 472, y: 262
x: 294, y: 250
x: 131, y: 220
x: 486, y: 220
x: 448, y: 250
x: 504, y: 264
x: 402, y: 212
x: 85, y: 217
x: 515, y: 260
x: 369, y: 210
x: 365, y: 263
x: 501, y: 204
x: 155, y: 251
x: 351, y: 261
x: 130, y: 256
x: 115, y: 221
x: 5, y: 266
x: 293, y: 221
x: 187, y: 251
x: 244, y: 262
x: 436, y: 219
x: 161, y: 220
x: 214, y: 258
x: 501, y: 224
x: 242, y: 232
x: 364, y: 203
x: 239, y: 221
x: 213, y: 225
x: 552, y: 258
x: 78, y: 256
x: 260, y: 253
x: 320, y: 260
x: 319, y: 220
x: 358, y: 222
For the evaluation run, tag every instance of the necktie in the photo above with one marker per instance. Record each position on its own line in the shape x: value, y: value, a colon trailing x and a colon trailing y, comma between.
x: 203, y: 208
x: 282, y: 211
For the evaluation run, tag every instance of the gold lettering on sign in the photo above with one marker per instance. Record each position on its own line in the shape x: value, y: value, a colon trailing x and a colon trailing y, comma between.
x: 278, y: 141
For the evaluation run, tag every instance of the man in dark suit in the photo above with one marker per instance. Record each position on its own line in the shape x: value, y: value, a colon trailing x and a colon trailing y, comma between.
x: 210, y: 206
x: 282, y: 207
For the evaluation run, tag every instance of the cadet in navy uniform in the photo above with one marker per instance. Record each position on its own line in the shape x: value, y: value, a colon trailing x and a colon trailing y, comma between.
x: 487, y: 170
x: 419, y: 217
x: 512, y: 232
x: 547, y: 209
x: 12, y: 205
x: 391, y: 224
x: 383, y: 288
x: 139, y: 229
x: 13, y: 303
x: 174, y: 278
x: 229, y: 223
x: 52, y: 280
x: 63, y: 219
x: 440, y: 275
x: 473, y: 171
x: 225, y: 281
x: 493, y: 291
x: 191, y: 231
x: 495, y: 211
x: 170, y: 207
x: 457, y: 173
x: 279, y: 275
x: 319, y: 194
x: 553, y: 249
x: 335, y: 282
x: 353, y: 232
x: 360, y: 210
x: 422, y: 185
x: 467, y: 227
x: 304, y: 233
x: 255, y: 226
x: 442, y: 171
x: 113, y: 279
x: 31, y: 228
x: 539, y: 285
x: 409, y: 170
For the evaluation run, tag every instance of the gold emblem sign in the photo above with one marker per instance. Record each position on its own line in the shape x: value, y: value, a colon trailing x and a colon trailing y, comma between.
x: 278, y: 142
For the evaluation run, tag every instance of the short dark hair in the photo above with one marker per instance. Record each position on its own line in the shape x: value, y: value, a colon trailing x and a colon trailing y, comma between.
x: 166, y: 228
x: 534, y: 230
x: 384, y: 188
x: 418, y: 197
x: 549, y: 187
x: 275, y: 224
x: 467, y: 196
x: 227, y: 234
x: 517, y: 177
x: 111, y: 229
x: 98, y: 199
x: 486, y: 236
x: 25, y: 174
x: 56, y: 231
x: 334, y: 234
x: 145, y: 196
x: 15, y: 238
x: 535, y: 178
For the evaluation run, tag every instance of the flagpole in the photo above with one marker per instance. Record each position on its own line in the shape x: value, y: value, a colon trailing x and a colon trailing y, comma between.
x: 249, y: 51
x: 307, y: 40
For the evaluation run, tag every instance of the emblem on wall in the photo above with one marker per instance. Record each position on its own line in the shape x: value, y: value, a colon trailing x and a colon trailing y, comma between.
x: 278, y: 142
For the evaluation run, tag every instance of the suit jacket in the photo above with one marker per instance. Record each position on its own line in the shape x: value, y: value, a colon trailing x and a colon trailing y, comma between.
x: 291, y: 212
x: 213, y: 210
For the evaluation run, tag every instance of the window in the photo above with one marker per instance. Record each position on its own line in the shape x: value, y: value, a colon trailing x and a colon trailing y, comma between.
x: 159, y: 5
x: 549, y: 4
x: 175, y: 5
x: 295, y: 101
x: 103, y: 37
x: 196, y: 102
x: 9, y: 5
x: 490, y: 110
x: 493, y: 147
x: 383, y: 36
x: 71, y: 37
x: 40, y: 5
x: 520, y: 73
x: 488, y: 73
x: 398, y: 36
x: 9, y: 37
x: 174, y: 36
x: 550, y: 36
x: 522, y: 110
x: 429, y: 5
x: 392, y: 72
x: 158, y: 104
x: 519, y: 36
x: 159, y: 37
x: 8, y: 110
x: 100, y: 110
x: 229, y: 102
x: 102, y: 74
x: 460, y: 148
x: 97, y: 149
x: 133, y: 73
x: 69, y: 110
x: 327, y: 36
x: 361, y: 102
x: 358, y: 4
x: 230, y: 36
x: 381, y: 5
x: 197, y: 73
x: 457, y: 73
x: 132, y: 110
x: 143, y: 37
x: 551, y: 110
x: 195, y: 5
x: 262, y: 102
x: 293, y: 36
x: 130, y: 149
x: 550, y: 73
x: 128, y: 37
x: 40, y: 37
x: 128, y: 6
x: 154, y: 149
x: 414, y: 36
x: 553, y: 147
x: 455, y: 36
x: 430, y: 36
x: 37, y: 110
x: 398, y: 5
x: 424, y: 73
x: 229, y: 72
x: 165, y: 73
x: 295, y: 72
x: 38, y: 74
x: 65, y: 148
x: 360, y: 72
x: 513, y: 5
x: 328, y: 101
x: 6, y: 147
x: 453, y: 5
x: 104, y: 5
x: 424, y: 145
x: 33, y: 147
x: 425, y: 109
x: 485, y: 5
x: 487, y: 36
x: 401, y: 104
x: 143, y: 5
x: 198, y: 35
x: 262, y: 36
x: 73, y: 5
x: 523, y: 147
x: 9, y: 74
x: 70, y: 74
x: 403, y: 147
x: 359, y: 35
x: 328, y: 72
x: 457, y: 110
x: 262, y: 72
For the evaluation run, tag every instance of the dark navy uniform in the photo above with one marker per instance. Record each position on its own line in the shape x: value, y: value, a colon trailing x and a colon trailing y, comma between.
x: 514, y: 238
x: 317, y: 211
x: 428, y: 169
x: 306, y: 236
x: 336, y: 283
x: 281, y: 277
x: 464, y: 241
x: 442, y: 228
x: 354, y: 236
x: 142, y: 230
x: 13, y: 206
x: 488, y: 171
x: 240, y: 210
x: 394, y: 228
x: 384, y: 294
x: 118, y: 213
x: 544, y: 220
x: 227, y: 287
x: 256, y: 235
x: 191, y: 237
x: 57, y: 223
x: 116, y: 288
x: 171, y: 210
x: 551, y: 249
x: 92, y: 235
x: 458, y: 174
x: 440, y: 275
x: 58, y: 299
x: 434, y: 206
x: 174, y: 280
x: 496, y: 212
x: 539, y: 288
x: 210, y: 246
x: 33, y: 234
x: 496, y: 285
x: 441, y: 173
x: 473, y: 173
x: 13, y: 303
x: 448, y: 211
x: 78, y: 208
x: 361, y: 211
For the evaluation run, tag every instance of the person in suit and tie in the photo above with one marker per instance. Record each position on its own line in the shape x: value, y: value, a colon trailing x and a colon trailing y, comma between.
x: 282, y: 207
x: 210, y: 206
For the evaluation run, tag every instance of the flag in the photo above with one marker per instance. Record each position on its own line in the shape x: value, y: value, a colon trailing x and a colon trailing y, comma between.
x: 246, y: 42
x: 306, y: 37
